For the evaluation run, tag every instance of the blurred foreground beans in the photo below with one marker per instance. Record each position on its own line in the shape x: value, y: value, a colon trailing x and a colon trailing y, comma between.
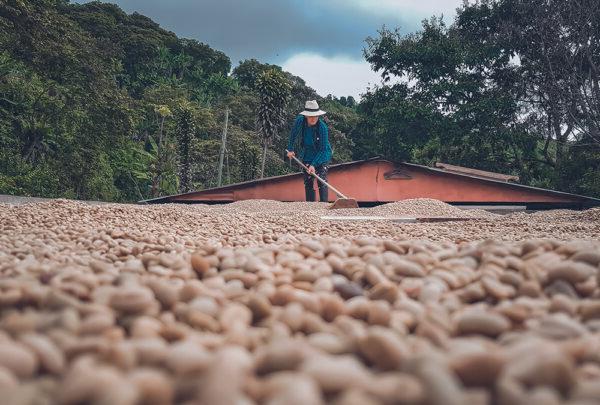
x: 261, y: 302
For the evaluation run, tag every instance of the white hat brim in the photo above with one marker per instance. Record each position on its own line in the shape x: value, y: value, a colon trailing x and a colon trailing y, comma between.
x: 313, y: 113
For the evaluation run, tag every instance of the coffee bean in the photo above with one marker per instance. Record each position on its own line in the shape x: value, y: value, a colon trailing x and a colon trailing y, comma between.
x: 260, y: 307
x: 480, y: 322
x: 335, y: 373
x: 397, y: 387
x: 440, y: 385
x: 187, y: 357
x: 571, y: 271
x: 384, y: 349
x: 478, y: 369
x: 18, y: 359
x: 154, y: 387
x: 132, y: 299
x: 199, y: 264
x: 50, y: 357
x: 590, y: 309
x: 292, y: 388
x: 348, y: 290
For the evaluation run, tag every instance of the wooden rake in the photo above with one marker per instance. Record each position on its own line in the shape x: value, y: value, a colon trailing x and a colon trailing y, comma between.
x: 342, y: 201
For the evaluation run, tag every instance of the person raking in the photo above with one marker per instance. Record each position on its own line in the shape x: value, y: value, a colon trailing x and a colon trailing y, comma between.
x: 315, y: 150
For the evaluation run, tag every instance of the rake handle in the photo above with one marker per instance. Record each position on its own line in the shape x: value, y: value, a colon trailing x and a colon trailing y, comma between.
x: 339, y: 194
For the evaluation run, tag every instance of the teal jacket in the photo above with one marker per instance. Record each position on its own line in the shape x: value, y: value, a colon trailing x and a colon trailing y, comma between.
x: 316, y: 149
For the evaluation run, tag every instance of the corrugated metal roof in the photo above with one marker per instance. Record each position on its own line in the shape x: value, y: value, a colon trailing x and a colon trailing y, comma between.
x: 374, y: 159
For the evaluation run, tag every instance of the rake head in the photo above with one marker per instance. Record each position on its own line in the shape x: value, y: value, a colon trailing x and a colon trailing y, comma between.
x: 344, y: 203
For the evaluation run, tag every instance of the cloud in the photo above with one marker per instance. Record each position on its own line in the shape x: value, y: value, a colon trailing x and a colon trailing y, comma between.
x: 338, y: 75
x: 274, y: 30
x: 318, y: 40
x: 417, y: 8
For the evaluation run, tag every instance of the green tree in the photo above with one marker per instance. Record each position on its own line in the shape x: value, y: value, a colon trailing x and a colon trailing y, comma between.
x: 164, y: 163
x: 185, y: 133
x: 86, y: 92
x: 274, y: 92
x: 557, y: 45
x: 457, y: 101
x: 249, y: 70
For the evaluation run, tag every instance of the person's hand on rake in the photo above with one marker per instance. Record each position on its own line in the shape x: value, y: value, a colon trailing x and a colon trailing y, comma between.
x: 311, y: 170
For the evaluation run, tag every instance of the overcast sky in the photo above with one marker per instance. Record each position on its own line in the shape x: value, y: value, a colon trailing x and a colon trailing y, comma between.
x: 318, y: 40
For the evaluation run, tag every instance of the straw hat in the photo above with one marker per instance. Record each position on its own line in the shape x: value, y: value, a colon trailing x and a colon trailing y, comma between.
x: 311, y: 109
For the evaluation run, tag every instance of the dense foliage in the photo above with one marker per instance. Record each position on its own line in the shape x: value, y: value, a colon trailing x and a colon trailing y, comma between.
x: 511, y: 86
x: 274, y: 92
x: 99, y: 104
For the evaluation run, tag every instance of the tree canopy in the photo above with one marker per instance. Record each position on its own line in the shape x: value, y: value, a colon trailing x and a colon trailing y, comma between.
x: 511, y: 86
x: 99, y: 104
x: 96, y: 103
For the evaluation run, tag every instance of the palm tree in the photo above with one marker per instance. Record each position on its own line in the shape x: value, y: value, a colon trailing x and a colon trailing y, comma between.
x: 185, y: 131
x: 274, y: 92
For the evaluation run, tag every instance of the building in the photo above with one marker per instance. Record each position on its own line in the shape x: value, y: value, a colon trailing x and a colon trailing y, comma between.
x: 377, y: 181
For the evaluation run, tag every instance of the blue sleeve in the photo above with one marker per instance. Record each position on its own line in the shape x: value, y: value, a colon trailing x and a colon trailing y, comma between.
x: 294, y: 132
x: 324, y: 132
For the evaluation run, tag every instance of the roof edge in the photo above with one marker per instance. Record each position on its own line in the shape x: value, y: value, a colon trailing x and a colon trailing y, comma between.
x: 504, y: 183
